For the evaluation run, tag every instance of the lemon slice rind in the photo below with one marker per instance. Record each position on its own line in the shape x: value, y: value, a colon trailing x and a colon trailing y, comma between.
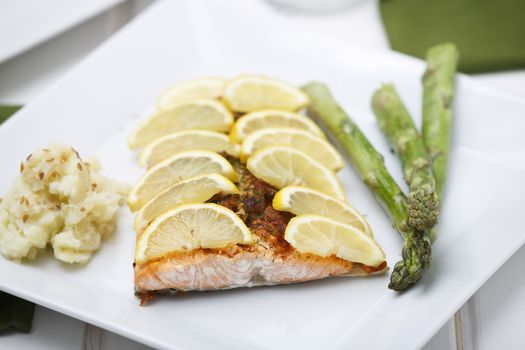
x: 195, y: 114
x: 322, y: 236
x: 200, y: 88
x: 311, y: 202
x: 247, y: 93
x: 318, y: 148
x: 179, y: 167
x: 197, y: 189
x: 166, y: 146
x: 283, y: 166
x: 254, y: 121
x: 189, y: 227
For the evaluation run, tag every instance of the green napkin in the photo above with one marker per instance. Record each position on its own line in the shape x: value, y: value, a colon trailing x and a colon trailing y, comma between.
x: 14, y: 312
x: 490, y: 34
x: 7, y: 111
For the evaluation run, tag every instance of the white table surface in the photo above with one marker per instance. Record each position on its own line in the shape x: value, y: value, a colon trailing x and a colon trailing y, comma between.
x: 491, y: 319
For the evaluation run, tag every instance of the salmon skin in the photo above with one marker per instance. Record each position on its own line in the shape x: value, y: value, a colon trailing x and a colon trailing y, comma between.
x: 271, y: 260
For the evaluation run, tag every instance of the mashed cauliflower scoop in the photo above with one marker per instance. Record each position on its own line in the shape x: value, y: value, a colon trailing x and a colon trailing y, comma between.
x: 62, y: 200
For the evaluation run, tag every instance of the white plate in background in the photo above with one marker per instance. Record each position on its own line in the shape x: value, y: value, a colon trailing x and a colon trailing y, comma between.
x: 95, y: 105
x: 25, y: 24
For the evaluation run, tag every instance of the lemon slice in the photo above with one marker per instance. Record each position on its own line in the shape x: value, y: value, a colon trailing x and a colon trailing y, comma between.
x: 282, y: 166
x: 175, y: 169
x: 272, y: 119
x: 248, y: 93
x: 301, y: 200
x: 195, y: 89
x: 198, y: 114
x: 194, y: 190
x: 318, y: 148
x: 324, y: 237
x: 189, y: 227
x: 171, y: 144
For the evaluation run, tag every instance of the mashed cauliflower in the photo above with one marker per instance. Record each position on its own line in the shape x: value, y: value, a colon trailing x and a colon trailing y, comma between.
x: 61, y: 200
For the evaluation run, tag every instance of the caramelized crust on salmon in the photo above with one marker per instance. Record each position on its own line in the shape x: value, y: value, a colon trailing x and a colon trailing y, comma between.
x: 271, y: 260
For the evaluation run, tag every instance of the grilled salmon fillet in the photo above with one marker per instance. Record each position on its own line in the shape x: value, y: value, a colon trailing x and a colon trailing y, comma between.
x: 271, y: 260
x: 206, y: 269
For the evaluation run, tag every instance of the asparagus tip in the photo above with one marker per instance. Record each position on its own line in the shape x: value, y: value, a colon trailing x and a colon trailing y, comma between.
x: 423, y: 209
x: 416, y: 255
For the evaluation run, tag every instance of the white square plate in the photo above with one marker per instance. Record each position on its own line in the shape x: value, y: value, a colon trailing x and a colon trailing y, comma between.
x: 95, y: 106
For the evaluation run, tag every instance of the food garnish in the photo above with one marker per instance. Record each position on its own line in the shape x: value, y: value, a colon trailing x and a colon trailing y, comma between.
x: 197, y: 189
x: 181, y: 166
x: 318, y: 148
x: 166, y: 146
x: 61, y: 200
x: 262, y: 120
x: 282, y: 166
x: 197, y: 114
x: 196, y: 89
x: 189, y: 227
x: 304, y: 201
x: 248, y: 93
x: 323, y: 237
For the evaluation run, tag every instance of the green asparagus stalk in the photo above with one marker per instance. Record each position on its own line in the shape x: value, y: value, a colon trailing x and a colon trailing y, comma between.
x: 416, y: 251
x: 396, y: 123
x: 438, y: 90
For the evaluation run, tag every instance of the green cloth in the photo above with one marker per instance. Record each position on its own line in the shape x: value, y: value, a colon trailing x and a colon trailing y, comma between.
x: 490, y: 34
x: 14, y: 312
x: 7, y: 111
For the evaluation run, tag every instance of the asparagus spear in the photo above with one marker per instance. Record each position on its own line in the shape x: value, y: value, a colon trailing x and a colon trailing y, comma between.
x: 438, y: 90
x: 396, y: 123
x: 416, y: 251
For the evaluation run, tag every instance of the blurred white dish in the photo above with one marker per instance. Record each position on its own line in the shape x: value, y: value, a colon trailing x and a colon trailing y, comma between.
x: 317, y: 6
x: 25, y: 24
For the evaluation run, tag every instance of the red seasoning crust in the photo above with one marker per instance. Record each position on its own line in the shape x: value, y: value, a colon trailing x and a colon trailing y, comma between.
x: 272, y: 260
